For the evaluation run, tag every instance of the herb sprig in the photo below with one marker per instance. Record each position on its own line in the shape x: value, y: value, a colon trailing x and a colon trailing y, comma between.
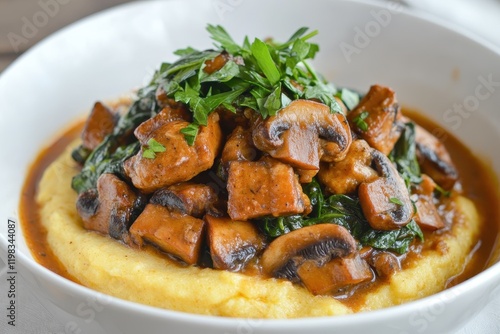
x: 262, y: 75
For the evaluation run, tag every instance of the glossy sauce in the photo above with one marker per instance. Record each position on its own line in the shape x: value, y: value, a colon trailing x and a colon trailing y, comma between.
x: 477, y: 181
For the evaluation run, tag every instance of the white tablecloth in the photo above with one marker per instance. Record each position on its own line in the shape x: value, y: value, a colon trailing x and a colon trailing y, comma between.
x: 482, y: 17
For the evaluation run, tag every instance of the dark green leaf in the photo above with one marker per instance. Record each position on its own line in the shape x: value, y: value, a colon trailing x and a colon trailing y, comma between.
x: 404, y: 155
x: 350, y: 98
x: 226, y: 73
x: 185, y: 52
x: 190, y: 132
x: 220, y: 35
x: 155, y: 146
x: 395, y: 200
x: 360, y: 121
x: 266, y: 63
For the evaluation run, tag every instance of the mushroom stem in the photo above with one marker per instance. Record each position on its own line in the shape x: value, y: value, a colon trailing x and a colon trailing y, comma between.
x: 385, y: 201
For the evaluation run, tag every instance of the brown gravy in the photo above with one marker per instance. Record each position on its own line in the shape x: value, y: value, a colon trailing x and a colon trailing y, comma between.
x: 478, y: 183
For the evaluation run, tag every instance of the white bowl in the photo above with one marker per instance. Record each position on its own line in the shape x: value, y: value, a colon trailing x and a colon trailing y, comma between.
x: 431, y: 66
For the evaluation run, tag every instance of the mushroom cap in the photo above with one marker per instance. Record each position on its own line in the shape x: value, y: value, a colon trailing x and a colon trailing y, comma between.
x: 293, y: 134
x: 320, y: 242
x: 377, y: 197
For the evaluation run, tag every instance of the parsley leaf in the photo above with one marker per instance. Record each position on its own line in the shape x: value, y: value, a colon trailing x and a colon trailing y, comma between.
x: 350, y: 98
x: 152, y: 148
x: 263, y: 75
x: 360, y: 121
x: 263, y: 57
x: 396, y: 200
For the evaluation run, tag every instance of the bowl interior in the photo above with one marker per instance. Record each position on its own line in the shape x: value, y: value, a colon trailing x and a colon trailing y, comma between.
x: 446, y: 75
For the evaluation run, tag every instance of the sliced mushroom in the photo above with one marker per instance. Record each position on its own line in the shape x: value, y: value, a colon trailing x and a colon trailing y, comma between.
x: 111, y: 208
x: 180, y: 161
x: 434, y: 159
x: 169, y: 113
x: 385, y: 201
x: 305, y: 175
x: 427, y: 215
x: 338, y: 274
x: 320, y: 243
x: 377, y: 118
x: 187, y: 198
x: 293, y: 135
x: 385, y: 264
x: 177, y: 234
x: 239, y: 147
x: 232, y: 243
x: 99, y: 124
x: 263, y: 188
x: 345, y: 176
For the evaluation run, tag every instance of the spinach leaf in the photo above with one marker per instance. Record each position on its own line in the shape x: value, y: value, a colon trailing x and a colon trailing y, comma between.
x: 404, y: 155
x: 345, y: 211
x: 107, y: 153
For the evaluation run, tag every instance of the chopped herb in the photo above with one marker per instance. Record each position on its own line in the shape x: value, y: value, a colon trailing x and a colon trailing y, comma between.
x: 349, y: 97
x: 396, y: 200
x: 360, y: 121
x: 439, y: 190
x: 264, y: 76
x: 152, y: 148
x: 107, y: 158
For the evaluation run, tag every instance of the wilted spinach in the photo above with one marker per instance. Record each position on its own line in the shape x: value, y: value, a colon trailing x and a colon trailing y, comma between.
x: 345, y: 211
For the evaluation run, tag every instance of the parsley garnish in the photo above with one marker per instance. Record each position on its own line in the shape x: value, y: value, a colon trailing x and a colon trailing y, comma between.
x: 152, y: 148
x: 349, y: 97
x: 396, y: 200
x: 360, y: 121
x: 262, y: 75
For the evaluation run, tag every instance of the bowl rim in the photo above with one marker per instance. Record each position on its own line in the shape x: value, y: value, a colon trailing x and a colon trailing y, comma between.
x: 487, y: 275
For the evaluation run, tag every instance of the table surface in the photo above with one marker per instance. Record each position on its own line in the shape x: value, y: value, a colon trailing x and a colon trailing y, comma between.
x: 481, y: 17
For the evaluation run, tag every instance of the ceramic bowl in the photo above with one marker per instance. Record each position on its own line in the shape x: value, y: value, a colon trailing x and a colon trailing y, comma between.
x: 431, y: 66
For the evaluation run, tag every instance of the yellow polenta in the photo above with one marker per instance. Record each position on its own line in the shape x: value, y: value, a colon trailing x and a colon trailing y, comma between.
x: 106, y: 265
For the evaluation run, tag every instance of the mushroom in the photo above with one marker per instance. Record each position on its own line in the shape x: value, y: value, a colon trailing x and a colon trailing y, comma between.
x: 266, y: 187
x: 427, y: 216
x: 321, y: 243
x: 344, y: 177
x: 385, y: 201
x: 187, y: 198
x: 99, y: 124
x: 238, y: 147
x: 180, y: 161
x: 293, y: 135
x: 232, y: 243
x: 171, y: 220
x: 385, y: 263
x: 338, y: 274
x: 377, y: 118
x: 177, y: 234
x: 174, y: 112
x: 434, y: 159
x: 111, y: 208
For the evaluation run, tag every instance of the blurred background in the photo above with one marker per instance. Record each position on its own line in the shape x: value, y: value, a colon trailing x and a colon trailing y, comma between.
x: 25, y: 22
